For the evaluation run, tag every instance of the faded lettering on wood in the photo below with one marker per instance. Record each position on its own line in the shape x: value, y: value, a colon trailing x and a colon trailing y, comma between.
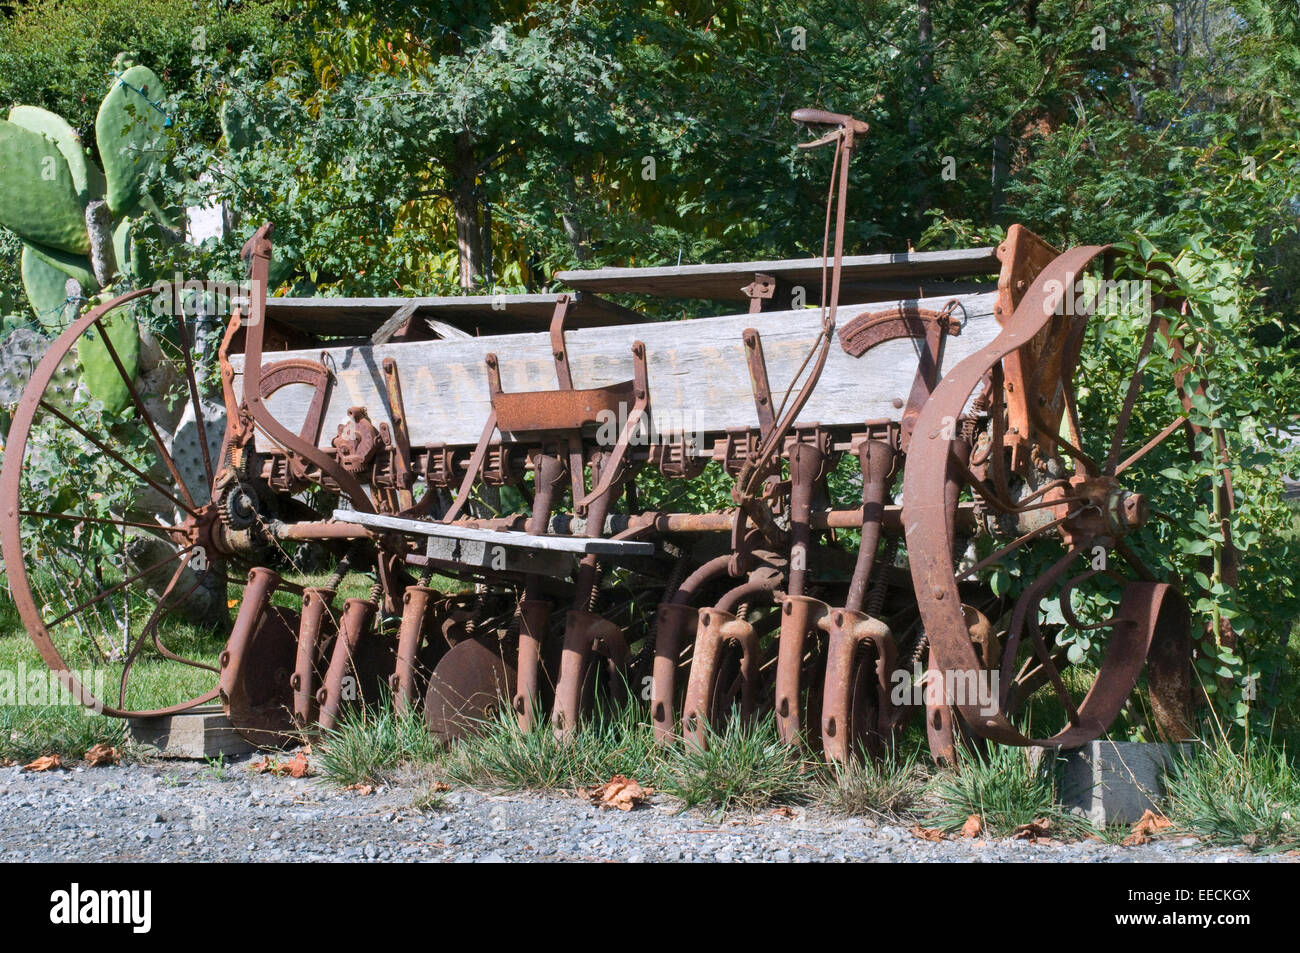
x: 699, y: 380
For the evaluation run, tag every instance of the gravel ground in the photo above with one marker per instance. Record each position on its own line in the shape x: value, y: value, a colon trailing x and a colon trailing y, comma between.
x: 182, y: 811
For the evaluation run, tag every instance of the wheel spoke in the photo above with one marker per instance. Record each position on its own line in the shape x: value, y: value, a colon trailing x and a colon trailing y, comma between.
x: 146, y: 417
x: 1150, y: 445
x: 1130, y: 398
x: 95, y: 600
x: 1053, y: 673
x: 190, y: 509
x: 1135, y: 561
x: 100, y: 520
x: 201, y: 424
x: 150, y: 627
x: 172, y: 656
x: 1032, y: 596
x: 997, y: 555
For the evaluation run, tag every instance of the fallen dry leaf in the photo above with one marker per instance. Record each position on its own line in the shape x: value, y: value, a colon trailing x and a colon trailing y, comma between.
x: 972, y: 826
x: 927, y: 833
x: 1148, y: 825
x: 438, y: 787
x: 362, y: 789
x: 1035, y: 830
x: 46, y: 763
x: 295, y: 767
x: 783, y: 811
x: 618, y: 792
x: 102, y: 754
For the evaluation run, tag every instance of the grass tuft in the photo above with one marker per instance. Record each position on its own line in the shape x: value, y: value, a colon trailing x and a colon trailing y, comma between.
x: 746, y: 767
x: 1246, y: 794
x: 616, y: 742
x: 891, y: 788
x: 370, y: 745
x: 1005, y: 789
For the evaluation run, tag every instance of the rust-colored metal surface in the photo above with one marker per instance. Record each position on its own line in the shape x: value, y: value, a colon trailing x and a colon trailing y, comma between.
x: 841, y: 618
x: 466, y: 689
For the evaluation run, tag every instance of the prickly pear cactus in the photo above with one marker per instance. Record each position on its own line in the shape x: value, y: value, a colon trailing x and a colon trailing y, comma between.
x: 87, y: 179
x: 20, y: 351
x: 98, y: 371
x: 73, y: 266
x: 38, y: 199
x: 132, y: 135
x: 46, y: 285
x: 78, y: 222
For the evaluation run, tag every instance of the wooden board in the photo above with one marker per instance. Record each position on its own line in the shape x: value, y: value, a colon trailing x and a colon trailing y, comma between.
x: 724, y: 282
x: 581, y: 545
x: 496, y: 314
x: 698, y: 376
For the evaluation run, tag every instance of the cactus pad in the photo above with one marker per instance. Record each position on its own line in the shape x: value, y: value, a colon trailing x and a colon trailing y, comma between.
x: 45, y: 286
x: 86, y: 177
x: 98, y: 371
x: 132, y: 137
x: 38, y: 200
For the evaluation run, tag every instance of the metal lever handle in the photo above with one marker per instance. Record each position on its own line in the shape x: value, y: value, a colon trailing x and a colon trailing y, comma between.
x: 820, y: 117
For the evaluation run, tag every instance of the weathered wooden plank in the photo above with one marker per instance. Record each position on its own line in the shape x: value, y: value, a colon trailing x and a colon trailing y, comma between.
x: 493, y: 537
x: 469, y: 553
x: 723, y: 282
x: 699, y: 380
x: 497, y: 314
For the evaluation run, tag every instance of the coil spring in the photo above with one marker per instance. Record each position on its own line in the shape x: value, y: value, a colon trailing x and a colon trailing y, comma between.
x: 912, y: 657
x: 880, y: 582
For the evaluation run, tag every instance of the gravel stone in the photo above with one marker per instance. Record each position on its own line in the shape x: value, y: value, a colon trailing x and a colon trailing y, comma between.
x: 177, y: 811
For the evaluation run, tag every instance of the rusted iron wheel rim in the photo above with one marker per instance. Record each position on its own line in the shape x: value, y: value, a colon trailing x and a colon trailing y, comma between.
x: 1085, y: 504
x: 61, y: 609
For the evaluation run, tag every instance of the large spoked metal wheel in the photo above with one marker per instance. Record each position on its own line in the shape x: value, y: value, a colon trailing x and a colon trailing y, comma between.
x: 119, y: 578
x: 1088, y: 612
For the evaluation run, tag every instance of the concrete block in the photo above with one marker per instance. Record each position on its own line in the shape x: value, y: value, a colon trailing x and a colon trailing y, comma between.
x: 199, y: 733
x: 1113, y: 782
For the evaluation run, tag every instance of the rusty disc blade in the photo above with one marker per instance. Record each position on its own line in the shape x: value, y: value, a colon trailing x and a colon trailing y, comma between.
x: 466, y: 689
x: 260, y: 702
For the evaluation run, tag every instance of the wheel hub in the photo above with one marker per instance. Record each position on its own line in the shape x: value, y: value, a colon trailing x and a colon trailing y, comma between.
x: 1100, y: 506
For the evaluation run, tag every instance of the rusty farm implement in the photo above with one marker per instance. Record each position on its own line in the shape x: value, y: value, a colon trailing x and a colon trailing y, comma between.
x: 363, y: 440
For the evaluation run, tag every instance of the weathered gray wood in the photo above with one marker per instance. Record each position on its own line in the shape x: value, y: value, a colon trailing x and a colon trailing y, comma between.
x: 498, y: 314
x: 723, y: 282
x: 469, y: 553
x: 699, y: 380
x: 493, y: 537
x: 198, y: 734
